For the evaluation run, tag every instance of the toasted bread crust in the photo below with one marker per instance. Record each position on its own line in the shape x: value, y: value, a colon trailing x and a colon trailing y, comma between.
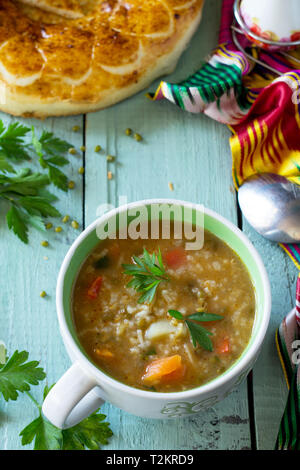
x: 71, y: 66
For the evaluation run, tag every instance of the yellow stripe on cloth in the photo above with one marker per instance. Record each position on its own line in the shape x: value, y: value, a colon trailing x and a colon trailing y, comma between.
x: 262, y: 152
x: 281, y: 360
x: 290, y: 255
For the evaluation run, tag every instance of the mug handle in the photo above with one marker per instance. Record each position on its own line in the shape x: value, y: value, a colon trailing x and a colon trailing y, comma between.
x: 71, y: 399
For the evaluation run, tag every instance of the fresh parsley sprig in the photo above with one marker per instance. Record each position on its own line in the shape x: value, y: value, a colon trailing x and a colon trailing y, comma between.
x: 17, y: 146
x: 17, y: 374
x: 199, y: 335
x: 148, y: 272
x: 90, y: 434
x: 29, y: 201
x: 24, y: 190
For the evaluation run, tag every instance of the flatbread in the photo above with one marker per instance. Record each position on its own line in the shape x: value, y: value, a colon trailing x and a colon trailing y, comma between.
x: 65, y: 8
x: 60, y: 57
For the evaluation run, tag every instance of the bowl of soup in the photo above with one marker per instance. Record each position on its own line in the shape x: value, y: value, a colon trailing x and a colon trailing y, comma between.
x: 163, y: 306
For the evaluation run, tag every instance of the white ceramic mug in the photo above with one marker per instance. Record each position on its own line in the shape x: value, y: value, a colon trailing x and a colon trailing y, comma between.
x: 84, y: 387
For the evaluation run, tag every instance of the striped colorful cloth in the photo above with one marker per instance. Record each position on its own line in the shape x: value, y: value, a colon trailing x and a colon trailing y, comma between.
x: 293, y: 251
x: 262, y: 109
x: 288, y: 346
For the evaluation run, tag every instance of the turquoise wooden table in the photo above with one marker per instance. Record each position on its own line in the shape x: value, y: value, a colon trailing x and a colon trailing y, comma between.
x: 192, y: 152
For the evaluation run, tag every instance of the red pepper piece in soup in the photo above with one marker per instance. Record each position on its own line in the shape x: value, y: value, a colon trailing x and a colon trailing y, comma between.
x: 175, y: 258
x: 95, y: 287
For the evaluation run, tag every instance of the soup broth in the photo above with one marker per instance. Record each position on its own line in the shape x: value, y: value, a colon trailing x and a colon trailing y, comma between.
x: 141, y: 344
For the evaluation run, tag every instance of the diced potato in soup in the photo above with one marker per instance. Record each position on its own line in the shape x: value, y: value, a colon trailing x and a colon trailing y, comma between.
x: 135, y: 339
x: 159, y: 329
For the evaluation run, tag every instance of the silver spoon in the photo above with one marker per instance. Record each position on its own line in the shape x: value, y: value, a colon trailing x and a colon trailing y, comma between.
x: 271, y: 204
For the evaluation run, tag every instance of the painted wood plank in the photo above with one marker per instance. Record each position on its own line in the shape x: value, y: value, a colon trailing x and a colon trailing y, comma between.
x: 270, y: 391
x: 192, y: 152
x: 28, y: 321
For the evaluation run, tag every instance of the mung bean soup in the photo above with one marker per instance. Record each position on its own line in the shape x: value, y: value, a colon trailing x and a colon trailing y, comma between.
x: 160, y: 318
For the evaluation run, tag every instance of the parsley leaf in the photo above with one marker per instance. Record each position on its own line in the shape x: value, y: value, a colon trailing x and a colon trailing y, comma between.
x: 199, y: 335
x: 53, y: 145
x: 16, y: 222
x: 176, y: 314
x: 12, y: 143
x: 38, y: 205
x: 91, y: 433
x: 29, y: 202
x: 148, y: 272
x: 24, y: 182
x: 44, y: 434
x: 57, y: 177
x: 203, y: 316
x: 49, y: 148
x: 17, y: 374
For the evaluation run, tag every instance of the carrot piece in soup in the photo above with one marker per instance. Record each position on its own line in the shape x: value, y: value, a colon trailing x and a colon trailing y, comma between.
x: 223, y: 346
x: 175, y: 257
x: 114, y: 250
x: 160, y: 368
x: 175, y: 376
x: 94, y: 289
x: 105, y: 353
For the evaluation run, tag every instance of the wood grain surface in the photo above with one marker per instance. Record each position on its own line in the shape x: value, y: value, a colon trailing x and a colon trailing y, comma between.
x: 192, y: 152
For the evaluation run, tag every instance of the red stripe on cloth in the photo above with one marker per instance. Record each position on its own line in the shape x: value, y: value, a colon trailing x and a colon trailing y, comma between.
x: 297, y: 248
x: 227, y: 17
x: 298, y: 301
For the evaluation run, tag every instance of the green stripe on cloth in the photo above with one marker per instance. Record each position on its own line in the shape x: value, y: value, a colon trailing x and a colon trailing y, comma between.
x: 289, y: 432
x: 211, y: 82
x: 293, y: 250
